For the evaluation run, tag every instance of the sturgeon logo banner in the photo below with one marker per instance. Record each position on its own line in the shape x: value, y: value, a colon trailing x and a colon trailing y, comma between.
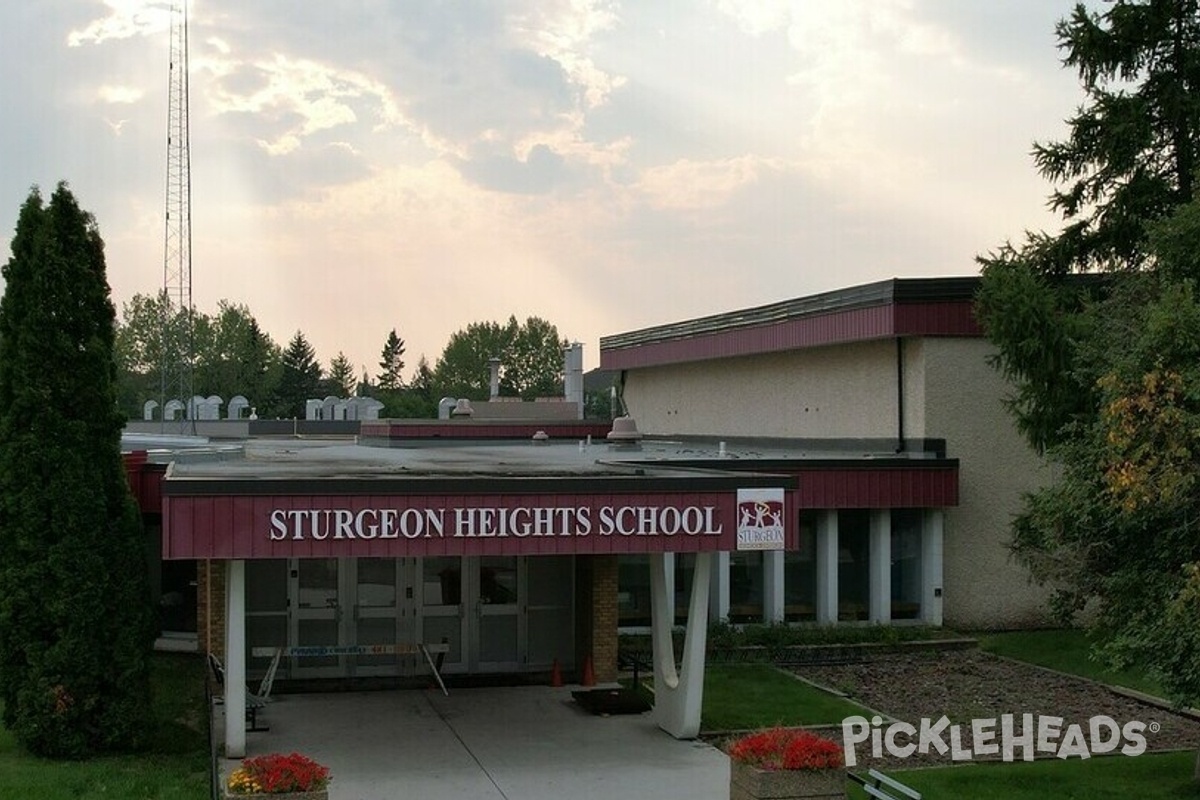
x: 760, y: 519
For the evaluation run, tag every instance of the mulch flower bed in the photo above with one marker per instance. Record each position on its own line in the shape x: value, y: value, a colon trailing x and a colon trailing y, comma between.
x: 967, y: 685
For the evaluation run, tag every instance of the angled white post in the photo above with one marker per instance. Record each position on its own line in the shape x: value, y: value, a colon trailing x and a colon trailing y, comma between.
x: 678, y: 694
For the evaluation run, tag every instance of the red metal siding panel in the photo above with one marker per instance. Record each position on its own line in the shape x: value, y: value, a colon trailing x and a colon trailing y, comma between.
x: 240, y: 527
x: 955, y: 318
x: 878, y: 488
x: 843, y: 326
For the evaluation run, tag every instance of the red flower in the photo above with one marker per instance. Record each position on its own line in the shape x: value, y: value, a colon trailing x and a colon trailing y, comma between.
x: 779, y: 748
x: 278, y: 774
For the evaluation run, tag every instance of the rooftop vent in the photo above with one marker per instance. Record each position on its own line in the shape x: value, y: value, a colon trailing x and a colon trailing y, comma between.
x: 462, y: 408
x: 624, y: 431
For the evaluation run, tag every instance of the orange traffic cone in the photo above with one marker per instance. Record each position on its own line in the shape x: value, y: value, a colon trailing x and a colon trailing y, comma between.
x: 589, y: 677
x: 556, y: 675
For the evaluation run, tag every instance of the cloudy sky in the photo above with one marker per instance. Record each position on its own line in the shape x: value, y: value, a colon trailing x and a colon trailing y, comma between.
x: 361, y: 165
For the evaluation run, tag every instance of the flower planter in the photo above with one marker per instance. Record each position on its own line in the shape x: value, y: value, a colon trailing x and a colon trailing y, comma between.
x: 751, y: 783
x: 320, y: 794
x: 285, y: 777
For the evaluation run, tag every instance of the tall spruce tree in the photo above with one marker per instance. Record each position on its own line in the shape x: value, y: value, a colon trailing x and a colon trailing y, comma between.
x: 75, y: 619
x: 299, y: 378
x: 391, y: 363
x: 341, y: 375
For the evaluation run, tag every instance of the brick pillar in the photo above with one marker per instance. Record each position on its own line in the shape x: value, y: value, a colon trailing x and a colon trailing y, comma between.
x: 210, y: 602
x: 604, y: 617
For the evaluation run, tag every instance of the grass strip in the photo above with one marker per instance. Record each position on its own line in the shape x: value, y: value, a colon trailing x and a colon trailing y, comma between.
x: 1067, y: 651
x: 1146, y: 777
x: 745, y: 696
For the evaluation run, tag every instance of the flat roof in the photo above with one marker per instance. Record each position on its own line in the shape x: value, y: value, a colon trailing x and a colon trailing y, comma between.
x: 895, y: 307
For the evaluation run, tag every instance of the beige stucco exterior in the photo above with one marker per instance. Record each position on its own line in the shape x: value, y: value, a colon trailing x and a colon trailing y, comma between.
x: 820, y: 393
x: 982, y: 586
x: 849, y: 392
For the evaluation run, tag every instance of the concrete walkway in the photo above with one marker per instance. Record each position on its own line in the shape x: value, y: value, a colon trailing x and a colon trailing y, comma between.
x: 512, y: 743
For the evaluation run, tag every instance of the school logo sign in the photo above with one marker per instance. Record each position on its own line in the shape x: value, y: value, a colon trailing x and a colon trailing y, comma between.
x: 760, y: 519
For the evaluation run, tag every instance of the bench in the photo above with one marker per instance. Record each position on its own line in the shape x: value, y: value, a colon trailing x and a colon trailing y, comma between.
x: 635, y: 660
x: 255, y: 701
x: 881, y: 787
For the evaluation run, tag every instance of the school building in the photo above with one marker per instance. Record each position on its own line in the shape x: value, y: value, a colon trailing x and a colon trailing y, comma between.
x: 843, y: 458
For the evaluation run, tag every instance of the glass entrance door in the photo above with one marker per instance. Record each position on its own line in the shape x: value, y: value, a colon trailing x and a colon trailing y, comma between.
x: 343, y: 603
x: 498, y: 594
x: 442, y: 616
x: 317, y: 616
x: 384, y: 614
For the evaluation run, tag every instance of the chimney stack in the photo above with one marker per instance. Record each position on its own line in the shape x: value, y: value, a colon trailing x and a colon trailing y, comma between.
x: 494, y: 369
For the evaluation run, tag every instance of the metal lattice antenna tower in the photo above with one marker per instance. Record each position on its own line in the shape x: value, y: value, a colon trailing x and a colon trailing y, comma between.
x: 177, y: 333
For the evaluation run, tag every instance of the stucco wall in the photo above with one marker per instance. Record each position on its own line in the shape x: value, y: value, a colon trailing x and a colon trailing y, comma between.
x: 982, y: 586
x: 845, y: 391
x: 914, y: 389
x: 849, y: 392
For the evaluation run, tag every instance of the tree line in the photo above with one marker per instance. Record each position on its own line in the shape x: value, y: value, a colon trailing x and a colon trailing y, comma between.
x: 233, y: 355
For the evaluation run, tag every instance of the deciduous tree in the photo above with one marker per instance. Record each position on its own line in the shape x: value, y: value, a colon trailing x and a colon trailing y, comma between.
x: 530, y: 353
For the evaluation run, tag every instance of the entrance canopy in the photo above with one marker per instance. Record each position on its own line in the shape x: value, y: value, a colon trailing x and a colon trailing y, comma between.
x: 311, y: 500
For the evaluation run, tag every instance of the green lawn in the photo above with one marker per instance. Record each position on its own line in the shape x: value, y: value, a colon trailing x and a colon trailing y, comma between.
x: 1066, y: 651
x: 760, y: 696
x: 1147, y: 777
x: 176, y: 768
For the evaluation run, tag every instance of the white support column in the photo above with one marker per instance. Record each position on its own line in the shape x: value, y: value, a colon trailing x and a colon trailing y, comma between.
x: 880, y: 558
x: 719, y: 598
x: 773, y: 586
x: 678, y: 695
x: 931, y: 566
x: 827, y: 567
x: 235, y: 659
x: 669, y: 566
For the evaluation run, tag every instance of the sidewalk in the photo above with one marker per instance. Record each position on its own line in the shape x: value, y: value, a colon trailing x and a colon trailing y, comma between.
x: 511, y: 743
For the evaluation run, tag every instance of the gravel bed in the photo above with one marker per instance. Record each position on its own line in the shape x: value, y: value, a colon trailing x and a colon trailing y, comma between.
x: 970, y: 685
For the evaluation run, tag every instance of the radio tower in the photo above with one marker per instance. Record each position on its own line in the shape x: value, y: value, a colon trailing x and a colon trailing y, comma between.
x: 177, y: 262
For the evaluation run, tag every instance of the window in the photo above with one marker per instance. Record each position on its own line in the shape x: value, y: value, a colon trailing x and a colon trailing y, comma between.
x: 906, y: 562
x: 746, y: 587
x: 800, y: 573
x: 854, y: 569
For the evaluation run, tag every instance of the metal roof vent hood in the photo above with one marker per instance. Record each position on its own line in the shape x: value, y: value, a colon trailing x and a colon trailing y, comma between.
x: 624, y: 431
x: 462, y: 408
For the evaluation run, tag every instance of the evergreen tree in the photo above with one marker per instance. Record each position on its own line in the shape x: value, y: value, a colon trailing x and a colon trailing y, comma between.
x: 341, y: 375
x: 263, y: 368
x: 75, y: 621
x: 299, y: 379
x: 391, y: 363
x: 423, y: 381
